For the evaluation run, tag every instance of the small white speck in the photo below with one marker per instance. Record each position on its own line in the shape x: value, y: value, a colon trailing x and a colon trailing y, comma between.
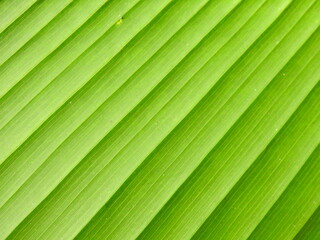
x: 255, y: 89
x: 283, y: 74
x: 277, y: 129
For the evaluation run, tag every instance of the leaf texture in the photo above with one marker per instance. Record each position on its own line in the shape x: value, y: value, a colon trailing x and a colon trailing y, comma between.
x: 172, y: 119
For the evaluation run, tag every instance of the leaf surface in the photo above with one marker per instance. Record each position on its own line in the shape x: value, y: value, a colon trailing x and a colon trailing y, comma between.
x: 173, y: 119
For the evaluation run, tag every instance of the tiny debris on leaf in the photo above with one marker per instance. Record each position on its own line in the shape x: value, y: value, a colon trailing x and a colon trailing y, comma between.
x: 120, y: 20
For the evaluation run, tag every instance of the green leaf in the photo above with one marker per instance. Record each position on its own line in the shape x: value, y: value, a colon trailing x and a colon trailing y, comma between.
x: 172, y: 119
